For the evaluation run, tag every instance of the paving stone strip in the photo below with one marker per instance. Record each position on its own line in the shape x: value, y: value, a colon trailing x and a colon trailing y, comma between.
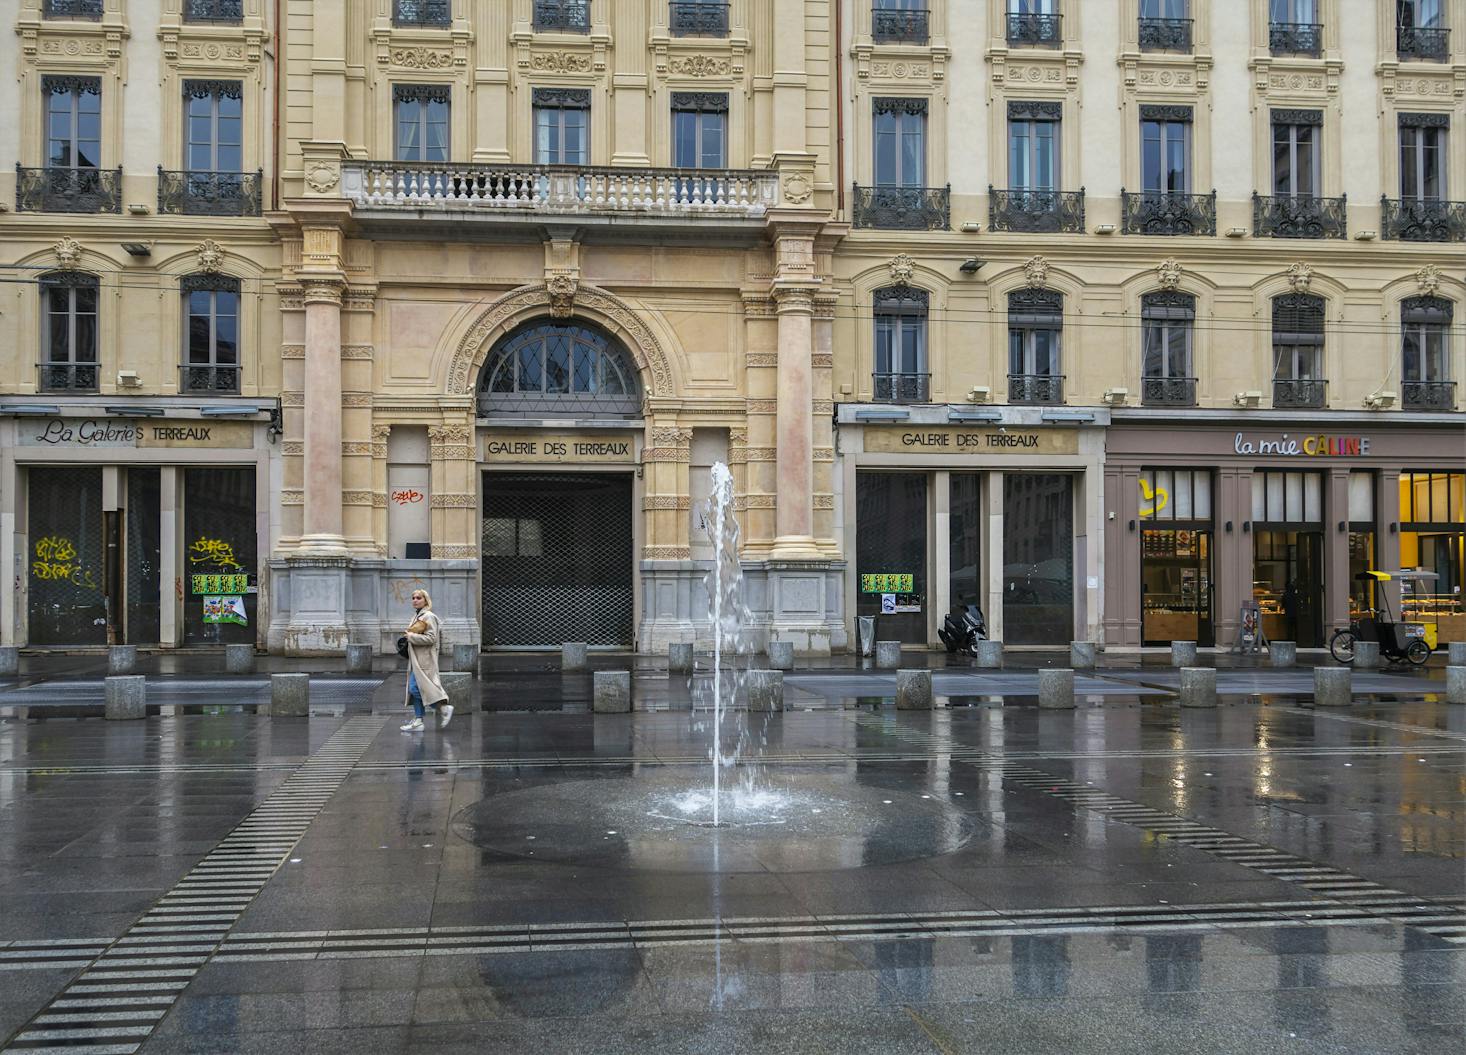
x: 128, y: 985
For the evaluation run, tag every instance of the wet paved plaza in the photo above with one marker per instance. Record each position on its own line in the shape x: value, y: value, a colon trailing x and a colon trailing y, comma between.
x: 1128, y: 876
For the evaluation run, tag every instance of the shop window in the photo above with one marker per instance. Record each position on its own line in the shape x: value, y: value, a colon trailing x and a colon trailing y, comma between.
x: 700, y: 130
x: 66, y: 578
x: 420, y: 114
x: 142, y: 558
x: 211, y: 333
x: 1038, y: 558
x: 891, y: 554
x: 69, y: 332
x: 1176, y: 556
x: 901, y: 374
x: 1362, y: 597
x: 1167, y: 318
x: 1287, y: 562
x: 550, y: 366
x: 561, y: 126
x: 1433, y: 541
x: 965, y: 584
x: 1035, y: 332
x: 220, y: 556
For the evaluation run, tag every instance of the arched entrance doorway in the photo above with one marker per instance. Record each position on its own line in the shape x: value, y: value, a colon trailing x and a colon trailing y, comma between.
x: 559, y: 399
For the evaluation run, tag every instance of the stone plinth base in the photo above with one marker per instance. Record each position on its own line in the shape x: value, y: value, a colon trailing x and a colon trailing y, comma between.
x: 1282, y: 653
x: 290, y: 695
x: 1198, y: 687
x: 1366, y: 655
x: 1333, y: 686
x: 1456, y: 684
x: 573, y: 656
x: 121, y: 659
x: 781, y: 655
x: 989, y: 655
x: 464, y: 657
x: 679, y: 657
x: 765, y: 690
x: 1183, y: 653
x: 459, y: 687
x: 9, y: 661
x: 611, y: 692
x: 1082, y: 655
x: 888, y: 655
x: 127, y: 698
x: 359, y: 659
x: 1056, y: 688
x: 1456, y: 653
x: 239, y: 659
x: 913, y: 690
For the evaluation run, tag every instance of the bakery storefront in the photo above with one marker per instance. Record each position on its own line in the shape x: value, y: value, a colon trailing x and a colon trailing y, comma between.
x: 133, y: 530
x: 1211, y: 518
x: 941, y: 513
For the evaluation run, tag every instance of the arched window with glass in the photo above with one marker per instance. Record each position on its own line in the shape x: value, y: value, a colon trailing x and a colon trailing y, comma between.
x: 547, y: 367
x: 210, y: 334
x: 69, y: 332
x: 901, y: 374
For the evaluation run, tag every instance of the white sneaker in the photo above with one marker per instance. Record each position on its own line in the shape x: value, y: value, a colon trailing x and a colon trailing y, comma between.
x: 412, y: 726
x: 445, y: 715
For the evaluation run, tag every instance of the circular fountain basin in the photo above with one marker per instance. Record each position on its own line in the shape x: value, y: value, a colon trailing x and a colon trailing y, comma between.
x: 663, y: 821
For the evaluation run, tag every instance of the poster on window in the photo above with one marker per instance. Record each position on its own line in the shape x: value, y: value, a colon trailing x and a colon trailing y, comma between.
x: 225, y: 610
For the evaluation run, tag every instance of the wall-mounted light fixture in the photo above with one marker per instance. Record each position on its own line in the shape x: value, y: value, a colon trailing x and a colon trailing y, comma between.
x: 1246, y: 527
x: 971, y: 265
x: 1132, y: 525
x: 1229, y: 527
x: 1342, y: 527
x: 1394, y: 527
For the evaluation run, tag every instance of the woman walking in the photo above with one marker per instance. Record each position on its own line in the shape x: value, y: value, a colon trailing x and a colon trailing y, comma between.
x: 424, y: 638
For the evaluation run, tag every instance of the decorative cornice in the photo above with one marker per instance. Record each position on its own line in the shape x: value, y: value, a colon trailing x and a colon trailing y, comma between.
x: 761, y: 359
x: 763, y: 406
x: 452, y: 500
x: 666, y: 553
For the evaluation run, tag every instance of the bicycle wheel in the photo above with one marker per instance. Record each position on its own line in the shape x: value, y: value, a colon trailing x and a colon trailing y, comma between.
x: 1417, y: 652
x: 1341, y: 646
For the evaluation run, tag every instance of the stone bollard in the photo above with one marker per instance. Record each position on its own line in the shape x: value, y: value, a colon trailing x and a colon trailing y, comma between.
x: 458, y: 685
x: 465, y: 658
x: 913, y: 690
x: 1056, y: 687
x: 1456, y: 684
x: 888, y: 654
x: 765, y: 690
x: 358, y: 659
x: 781, y: 655
x: 1282, y: 653
x: 1333, y: 686
x: 290, y: 695
x: 1198, y: 687
x: 1456, y: 653
x: 573, y: 656
x: 121, y: 659
x: 679, y: 657
x: 127, y: 697
x: 239, y: 659
x: 9, y: 661
x: 611, y: 691
x: 1081, y: 655
x: 1366, y: 655
x: 1183, y: 653
x: 989, y: 654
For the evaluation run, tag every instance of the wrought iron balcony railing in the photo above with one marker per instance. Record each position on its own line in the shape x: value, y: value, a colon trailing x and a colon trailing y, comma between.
x: 1295, y: 38
x: 903, y: 208
x: 1428, y: 44
x: 901, y: 388
x: 1036, y: 211
x: 68, y: 377
x: 1300, y: 392
x: 561, y: 189
x: 568, y: 16
x: 1428, y: 395
x: 1043, y: 389
x: 218, y: 379
x: 68, y: 190
x: 1168, y: 213
x: 1165, y: 34
x: 1422, y: 220
x: 209, y: 193
x: 1303, y: 216
x: 900, y: 27
x: 689, y: 18
x: 422, y: 13
x: 1035, y: 31
x: 222, y: 12
x: 1168, y: 391
x: 81, y: 10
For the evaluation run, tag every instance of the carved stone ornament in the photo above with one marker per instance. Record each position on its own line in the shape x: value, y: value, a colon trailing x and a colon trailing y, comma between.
x: 1300, y: 277
x: 1036, y: 271
x: 211, y: 256
x: 322, y: 177
x: 903, y: 269
x: 1168, y: 273
x: 68, y: 254
x: 699, y: 66
x: 562, y: 289
x: 1428, y: 278
x: 798, y: 188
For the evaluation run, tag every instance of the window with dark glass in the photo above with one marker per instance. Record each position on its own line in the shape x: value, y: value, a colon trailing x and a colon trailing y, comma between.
x: 561, y: 126
x: 899, y: 22
x: 698, y: 18
x: 900, y: 142
x: 211, y: 333
x: 1035, y: 330
x: 553, y: 365
x: 422, y: 13
x: 1293, y: 27
x: 1425, y: 369
x: 421, y: 118
x: 67, y: 598
x: 1297, y: 165
x: 1298, y: 336
x: 1175, y: 556
x: 891, y: 517
x: 215, y: 120
x: 900, y: 344
x: 1165, y: 150
x: 567, y: 15
x: 1034, y: 23
x: 1038, y: 558
x: 1421, y: 31
x: 1165, y: 25
x: 87, y: 10
x: 218, y: 11
x: 69, y: 331
x: 219, y: 538
x: 700, y: 130
x: 1423, y: 156
x: 1033, y: 146
x: 1167, y: 319
x: 73, y: 122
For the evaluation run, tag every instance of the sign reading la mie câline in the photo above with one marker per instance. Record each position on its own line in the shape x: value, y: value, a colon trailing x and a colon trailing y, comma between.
x: 1304, y: 447
x: 110, y: 433
x: 885, y: 439
x: 589, y: 447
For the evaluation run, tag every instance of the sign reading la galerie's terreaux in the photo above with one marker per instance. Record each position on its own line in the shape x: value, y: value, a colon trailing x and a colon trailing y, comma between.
x: 885, y: 439
x: 108, y: 433
x: 590, y: 447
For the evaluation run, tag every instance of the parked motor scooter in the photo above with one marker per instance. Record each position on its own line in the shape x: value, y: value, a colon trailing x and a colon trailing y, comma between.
x: 961, y: 633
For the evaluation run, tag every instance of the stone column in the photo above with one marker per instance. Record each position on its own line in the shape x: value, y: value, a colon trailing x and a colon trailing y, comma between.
x: 322, y: 526
x: 794, y: 508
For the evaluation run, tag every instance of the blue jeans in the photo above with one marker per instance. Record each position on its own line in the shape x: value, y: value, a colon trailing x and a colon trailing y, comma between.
x: 414, y: 695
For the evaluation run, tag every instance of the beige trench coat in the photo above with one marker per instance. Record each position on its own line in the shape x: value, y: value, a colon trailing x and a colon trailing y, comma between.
x: 422, y: 660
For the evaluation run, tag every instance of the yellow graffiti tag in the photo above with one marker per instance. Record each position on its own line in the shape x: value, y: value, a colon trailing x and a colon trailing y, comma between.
x: 1160, y: 497
x: 55, y: 548
x: 56, y: 562
x: 213, y: 551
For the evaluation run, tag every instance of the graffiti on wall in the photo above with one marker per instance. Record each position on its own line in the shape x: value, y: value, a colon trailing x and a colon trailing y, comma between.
x: 213, y: 551
x: 56, y: 560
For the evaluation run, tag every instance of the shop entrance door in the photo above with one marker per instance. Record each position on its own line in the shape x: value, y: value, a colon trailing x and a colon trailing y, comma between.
x: 558, y: 561
x: 66, y: 562
x: 1038, y: 558
x: 1288, y: 584
x: 890, y: 554
x: 1175, y: 586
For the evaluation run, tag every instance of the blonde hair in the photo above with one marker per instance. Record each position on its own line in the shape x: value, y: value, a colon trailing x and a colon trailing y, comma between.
x: 427, y: 599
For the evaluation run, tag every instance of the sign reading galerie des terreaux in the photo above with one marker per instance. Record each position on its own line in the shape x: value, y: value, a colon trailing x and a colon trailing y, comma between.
x: 534, y: 446
x: 959, y: 440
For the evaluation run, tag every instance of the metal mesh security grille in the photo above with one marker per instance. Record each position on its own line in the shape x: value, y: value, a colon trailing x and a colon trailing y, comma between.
x: 143, y: 562
x: 67, y: 603
x: 557, y: 559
